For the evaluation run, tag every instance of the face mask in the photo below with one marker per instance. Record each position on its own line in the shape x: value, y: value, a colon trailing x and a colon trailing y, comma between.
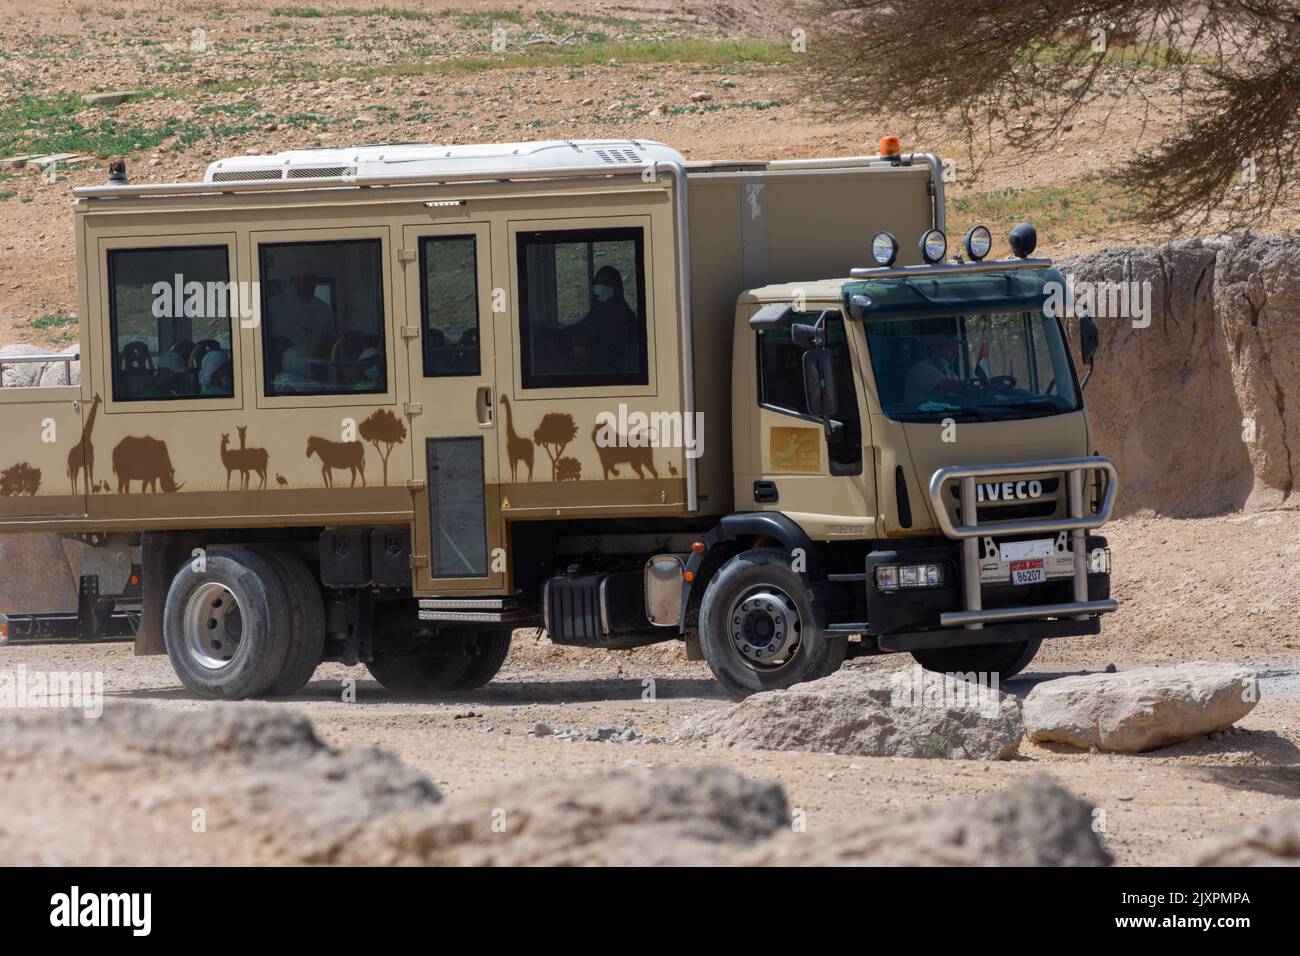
x: 603, y: 293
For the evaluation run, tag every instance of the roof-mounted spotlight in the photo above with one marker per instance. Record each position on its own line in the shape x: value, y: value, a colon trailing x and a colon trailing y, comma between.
x: 934, y: 246
x: 978, y: 242
x: 884, y: 249
x: 1024, y: 240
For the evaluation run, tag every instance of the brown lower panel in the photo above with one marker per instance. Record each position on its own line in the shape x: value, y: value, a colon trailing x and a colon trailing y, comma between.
x: 617, y: 497
x: 216, y: 509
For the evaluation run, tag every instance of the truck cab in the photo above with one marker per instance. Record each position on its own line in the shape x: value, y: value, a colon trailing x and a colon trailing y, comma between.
x: 917, y: 434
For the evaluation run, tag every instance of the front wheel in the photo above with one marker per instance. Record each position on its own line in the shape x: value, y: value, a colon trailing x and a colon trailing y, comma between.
x: 1005, y: 660
x: 759, y: 628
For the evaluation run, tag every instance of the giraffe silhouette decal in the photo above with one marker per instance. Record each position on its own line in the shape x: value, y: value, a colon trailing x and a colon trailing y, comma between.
x: 82, y: 456
x: 520, y: 448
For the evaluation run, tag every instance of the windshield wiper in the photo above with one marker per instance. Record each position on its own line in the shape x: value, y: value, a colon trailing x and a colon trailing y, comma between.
x: 938, y: 414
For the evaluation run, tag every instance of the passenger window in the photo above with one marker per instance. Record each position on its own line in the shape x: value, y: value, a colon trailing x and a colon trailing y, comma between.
x: 780, y: 387
x: 449, y: 293
x: 582, y: 315
x: 169, y: 320
x: 323, y: 317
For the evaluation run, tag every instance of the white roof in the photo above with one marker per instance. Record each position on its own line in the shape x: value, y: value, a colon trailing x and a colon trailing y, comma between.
x: 431, y: 160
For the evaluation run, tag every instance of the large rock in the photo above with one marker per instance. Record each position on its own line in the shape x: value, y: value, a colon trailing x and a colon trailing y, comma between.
x: 1257, y: 300
x: 1201, y: 408
x: 1140, y: 709
x: 24, y: 374
x: 909, y: 712
x: 1273, y: 841
x: 1034, y: 823
x: 60, y: 373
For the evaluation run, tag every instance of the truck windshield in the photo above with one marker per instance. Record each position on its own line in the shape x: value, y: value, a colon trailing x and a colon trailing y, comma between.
x: 981, y: 367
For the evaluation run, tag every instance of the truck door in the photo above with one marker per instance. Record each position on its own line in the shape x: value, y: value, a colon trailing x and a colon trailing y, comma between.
x: 823, y: 485
x: 448, y: 332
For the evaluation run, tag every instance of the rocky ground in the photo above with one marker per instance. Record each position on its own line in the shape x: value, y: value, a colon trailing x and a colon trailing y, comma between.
x: 1212, y: 589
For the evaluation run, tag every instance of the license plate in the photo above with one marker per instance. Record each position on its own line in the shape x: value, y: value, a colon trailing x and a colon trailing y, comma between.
x: 1027, y: 572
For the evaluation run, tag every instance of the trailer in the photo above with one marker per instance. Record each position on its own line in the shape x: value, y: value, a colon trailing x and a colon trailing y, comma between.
x: 385, y: 405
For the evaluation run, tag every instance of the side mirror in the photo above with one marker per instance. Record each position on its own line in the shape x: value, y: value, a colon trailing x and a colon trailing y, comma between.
x: 1089, y: 338
x: 819, y: 383
x: 808, y: 336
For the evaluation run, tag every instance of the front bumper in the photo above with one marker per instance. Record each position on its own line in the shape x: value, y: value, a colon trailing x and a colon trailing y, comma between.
x: 974, y: 615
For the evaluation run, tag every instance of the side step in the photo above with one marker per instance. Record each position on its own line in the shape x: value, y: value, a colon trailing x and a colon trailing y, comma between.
x: 477, y: 610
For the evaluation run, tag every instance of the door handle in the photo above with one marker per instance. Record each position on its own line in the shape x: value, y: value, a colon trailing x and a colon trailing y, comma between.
x: 483, y: 405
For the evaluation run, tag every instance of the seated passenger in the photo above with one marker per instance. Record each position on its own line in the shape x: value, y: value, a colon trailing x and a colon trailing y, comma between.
x: 171, y: 379
x: 295, y: 372
x: 607, y: 337
x: 372, y: 378
x: 298, y: 313
x: 935, y: 377
x: 216, y: 377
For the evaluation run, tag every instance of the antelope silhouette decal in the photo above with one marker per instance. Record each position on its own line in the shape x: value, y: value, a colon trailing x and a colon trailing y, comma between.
x: 246, y: 461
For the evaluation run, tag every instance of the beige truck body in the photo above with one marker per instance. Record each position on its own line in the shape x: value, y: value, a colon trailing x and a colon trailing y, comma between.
x: 253, y: 460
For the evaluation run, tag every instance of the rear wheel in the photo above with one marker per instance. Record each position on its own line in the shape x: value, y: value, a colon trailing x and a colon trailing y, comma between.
x: 759, y: 628
x: 225, y: 625
x: 1005, y: 660
x: 306, y: 633
x: 419, y: 673
x: 488, y: 652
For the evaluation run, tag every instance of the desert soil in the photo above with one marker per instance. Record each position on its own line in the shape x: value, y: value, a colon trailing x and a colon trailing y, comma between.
x: 1205, y: 589
x: 280, y: 76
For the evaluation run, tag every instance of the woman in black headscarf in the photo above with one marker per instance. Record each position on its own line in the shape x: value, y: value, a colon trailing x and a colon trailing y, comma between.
x: 607, y: 338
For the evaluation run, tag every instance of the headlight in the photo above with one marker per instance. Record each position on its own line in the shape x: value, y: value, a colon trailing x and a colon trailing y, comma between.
x: 978, y: 242
x: 891, y: 577
x: 1099, y: 561
x: 884, y: 249
x: 934, y: 246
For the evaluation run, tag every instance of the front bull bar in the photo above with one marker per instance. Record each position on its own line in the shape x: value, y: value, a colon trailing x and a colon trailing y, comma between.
x: 970, y: 530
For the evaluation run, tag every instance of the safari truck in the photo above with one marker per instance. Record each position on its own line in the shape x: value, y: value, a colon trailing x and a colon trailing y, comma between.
x: 386, y: 405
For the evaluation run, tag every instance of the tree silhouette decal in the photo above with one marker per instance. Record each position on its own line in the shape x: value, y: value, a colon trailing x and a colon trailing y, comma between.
x: 554, y: 433
x: 385, y: 429
x: 20, y: 479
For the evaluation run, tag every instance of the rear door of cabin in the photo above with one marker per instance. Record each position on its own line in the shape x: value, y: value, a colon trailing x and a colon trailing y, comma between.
x: 451, y: 358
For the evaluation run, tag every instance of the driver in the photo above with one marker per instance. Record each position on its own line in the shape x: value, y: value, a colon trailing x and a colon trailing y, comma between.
x: 936, y: 375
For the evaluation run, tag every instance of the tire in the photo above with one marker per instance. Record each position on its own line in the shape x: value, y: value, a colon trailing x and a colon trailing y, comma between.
x: 420, y: 673
x: 306, y: 643
x: 225, y: 627
x: 753, y: 588
x: 1005, y: 660
x: 490, y: 650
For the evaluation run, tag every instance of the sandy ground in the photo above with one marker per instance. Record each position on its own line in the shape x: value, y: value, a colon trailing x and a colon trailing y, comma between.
x: 1155, y: 806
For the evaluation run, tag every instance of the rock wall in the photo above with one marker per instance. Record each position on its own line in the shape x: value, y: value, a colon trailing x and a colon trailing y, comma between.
x: 1194, y: 407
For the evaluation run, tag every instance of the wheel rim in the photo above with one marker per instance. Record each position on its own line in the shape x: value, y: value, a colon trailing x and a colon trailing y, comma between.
x: 213, y: 626
x: 765, y: 628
